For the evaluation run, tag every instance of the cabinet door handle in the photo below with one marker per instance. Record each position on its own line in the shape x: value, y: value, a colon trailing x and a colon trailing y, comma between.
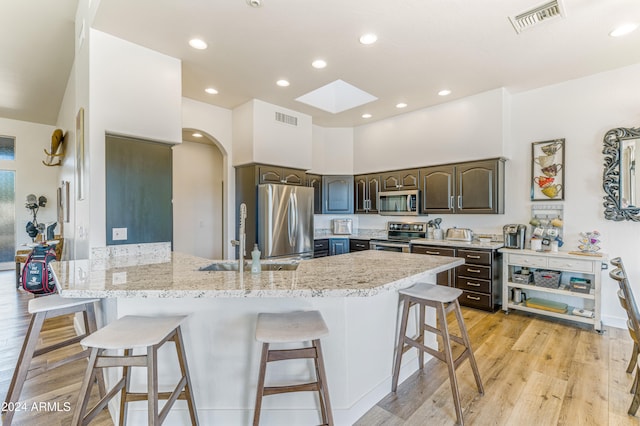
x: 451, y: 202
x: 475, y: 271
x: 433, y: 252
x: 473, y: 298
x: 473, y: 257
x: 459, y: 201
x: 473, y: 284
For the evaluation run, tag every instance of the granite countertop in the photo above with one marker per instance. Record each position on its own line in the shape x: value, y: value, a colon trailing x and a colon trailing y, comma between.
x: 493, y: 245
x: 359, y: 274
x: 360, y: 234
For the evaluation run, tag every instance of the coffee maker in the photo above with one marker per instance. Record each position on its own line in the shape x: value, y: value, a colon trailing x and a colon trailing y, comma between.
x: 515, y: 236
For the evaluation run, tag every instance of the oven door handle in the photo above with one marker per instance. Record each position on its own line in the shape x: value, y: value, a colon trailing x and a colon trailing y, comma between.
x: 386, y: 244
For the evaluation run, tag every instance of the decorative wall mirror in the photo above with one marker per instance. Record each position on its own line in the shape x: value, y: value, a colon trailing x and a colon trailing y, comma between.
x: 621, y: 182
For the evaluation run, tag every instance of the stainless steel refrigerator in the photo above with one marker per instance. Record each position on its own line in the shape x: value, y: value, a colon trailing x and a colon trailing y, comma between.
x: 285, y: 220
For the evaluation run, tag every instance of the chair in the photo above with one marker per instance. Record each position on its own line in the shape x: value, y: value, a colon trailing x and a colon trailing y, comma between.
x: 444, y: 300
x: 293, y: 327
x: 126, y: 334
x: 42, y: 308
x: 627, y: 301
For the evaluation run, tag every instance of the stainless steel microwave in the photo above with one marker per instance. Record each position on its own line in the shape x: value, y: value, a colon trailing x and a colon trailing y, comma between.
x: 399, y: 203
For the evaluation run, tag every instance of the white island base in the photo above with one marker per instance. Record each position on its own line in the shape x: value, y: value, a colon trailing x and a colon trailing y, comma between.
x: 356, y: 293
x: 223, y: 358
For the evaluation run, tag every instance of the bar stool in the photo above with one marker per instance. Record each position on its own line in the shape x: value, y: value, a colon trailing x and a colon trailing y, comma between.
x: 293, y: 327
x: 129, y: 333
x: 42, y: 308
x: 444, y: 300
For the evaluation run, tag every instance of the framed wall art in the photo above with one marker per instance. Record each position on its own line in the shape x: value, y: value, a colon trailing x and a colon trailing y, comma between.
x: 547, y: 170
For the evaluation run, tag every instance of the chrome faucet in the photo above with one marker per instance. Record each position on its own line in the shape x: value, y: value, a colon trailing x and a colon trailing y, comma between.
x: 242, y: 237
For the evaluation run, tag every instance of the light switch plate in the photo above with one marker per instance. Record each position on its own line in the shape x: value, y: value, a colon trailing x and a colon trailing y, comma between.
x: 118, y: 234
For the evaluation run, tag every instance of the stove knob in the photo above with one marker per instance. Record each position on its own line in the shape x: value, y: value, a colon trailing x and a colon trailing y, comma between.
x: 415, y: 227
x: 420, y: 227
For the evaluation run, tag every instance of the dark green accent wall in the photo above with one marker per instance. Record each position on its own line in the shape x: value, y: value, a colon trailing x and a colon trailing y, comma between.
x: 138, y: 190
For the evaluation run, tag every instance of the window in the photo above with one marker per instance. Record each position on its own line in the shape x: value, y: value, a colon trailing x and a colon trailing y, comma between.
x: 7, y: 148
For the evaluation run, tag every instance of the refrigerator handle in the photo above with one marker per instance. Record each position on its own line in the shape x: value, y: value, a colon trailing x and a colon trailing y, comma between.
x: 293, y: 218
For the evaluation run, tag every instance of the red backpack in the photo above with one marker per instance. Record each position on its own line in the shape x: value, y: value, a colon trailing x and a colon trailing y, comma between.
x: 36, y: 275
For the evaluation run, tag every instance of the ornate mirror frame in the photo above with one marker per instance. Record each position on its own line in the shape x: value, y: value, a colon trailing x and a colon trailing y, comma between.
x: 611, y: 176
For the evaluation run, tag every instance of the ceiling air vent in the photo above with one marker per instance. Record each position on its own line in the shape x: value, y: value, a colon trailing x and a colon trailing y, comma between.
x: 286, y: 119
x: 535, y: 16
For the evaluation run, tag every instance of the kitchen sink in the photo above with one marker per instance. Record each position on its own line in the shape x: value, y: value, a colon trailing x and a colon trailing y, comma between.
x: 233, y: 266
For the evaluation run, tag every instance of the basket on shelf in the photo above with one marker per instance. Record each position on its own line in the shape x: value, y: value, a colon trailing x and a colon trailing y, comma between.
x: 548, y: 279
x: 519, y: 278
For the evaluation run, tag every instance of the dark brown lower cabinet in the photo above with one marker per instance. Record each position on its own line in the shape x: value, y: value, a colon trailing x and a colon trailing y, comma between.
x: 479, y: 278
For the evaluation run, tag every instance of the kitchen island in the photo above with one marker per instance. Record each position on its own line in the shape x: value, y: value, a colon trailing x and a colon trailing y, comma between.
x: 356, y: 294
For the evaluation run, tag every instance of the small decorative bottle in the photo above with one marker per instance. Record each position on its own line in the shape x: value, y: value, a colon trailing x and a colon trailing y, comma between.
x: 255, y: 260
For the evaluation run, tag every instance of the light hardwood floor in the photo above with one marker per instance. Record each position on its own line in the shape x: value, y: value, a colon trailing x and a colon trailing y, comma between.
x: 535, y: 372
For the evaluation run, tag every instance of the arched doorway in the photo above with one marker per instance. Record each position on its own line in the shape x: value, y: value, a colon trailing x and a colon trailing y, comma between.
x: 198, y: 189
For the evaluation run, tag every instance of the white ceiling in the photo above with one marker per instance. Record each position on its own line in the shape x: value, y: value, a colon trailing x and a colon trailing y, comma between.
x: 468, y: 46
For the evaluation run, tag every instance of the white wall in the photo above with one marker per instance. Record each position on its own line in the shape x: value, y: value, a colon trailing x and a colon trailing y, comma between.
x: 134, y: 91
x: 216, y: 123
x: 262, y: 139
x: 467, y: 129
x: 197, y: 199
x: 32, y: 177
x: 332, y: 150
x: 581, y: 111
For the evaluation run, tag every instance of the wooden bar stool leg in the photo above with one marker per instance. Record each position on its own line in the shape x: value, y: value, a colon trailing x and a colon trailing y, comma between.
x: 444, y: 328
x: 261, y: 376
x: 24, y: 363
x: 634, y: 358
x: 421, y: 334
x: 327, y: 416
x: 467, y: 344
x: 126, y: 375
x: 400, y: 345
x: 152, y: 385
x: 85, y: 389
x: 184, y: 369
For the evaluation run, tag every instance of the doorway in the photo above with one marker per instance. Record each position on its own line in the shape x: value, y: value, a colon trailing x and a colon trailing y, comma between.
x: 198, y: 189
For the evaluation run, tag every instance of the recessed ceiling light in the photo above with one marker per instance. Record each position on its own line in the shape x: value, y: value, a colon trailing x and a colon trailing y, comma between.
x: 282, y: 83
x: 444, y: 92
x: 366, y: 115
x: 401, y: 105
x: 211, y: 91
x: 254, y: 3
x: 368, y: 38
x: 197, y: 135
x: 623, y: 30
x: 319, y: 64
x: 196, y: 43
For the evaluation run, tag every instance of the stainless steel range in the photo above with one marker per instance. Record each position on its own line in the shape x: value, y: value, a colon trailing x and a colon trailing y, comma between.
x: 398, y: 236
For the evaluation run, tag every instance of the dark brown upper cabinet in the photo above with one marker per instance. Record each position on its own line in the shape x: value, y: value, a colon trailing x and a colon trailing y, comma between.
x: 282, y: 175
x: 315, y: 182
x: 366, y: 188
x: 399, y: 180
x: 475, y: 187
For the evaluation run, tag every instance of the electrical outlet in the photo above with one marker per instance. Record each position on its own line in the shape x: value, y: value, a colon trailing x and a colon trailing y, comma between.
x: 118, y: 234
x: 119, y: 278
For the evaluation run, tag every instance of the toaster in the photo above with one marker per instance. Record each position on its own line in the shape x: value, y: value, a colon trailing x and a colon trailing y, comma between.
x: 459, y: 234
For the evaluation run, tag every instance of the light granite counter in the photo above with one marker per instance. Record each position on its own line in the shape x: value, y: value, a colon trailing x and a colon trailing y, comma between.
x: 493, y: 245
x: 356, y: 294
x: 177, y: 275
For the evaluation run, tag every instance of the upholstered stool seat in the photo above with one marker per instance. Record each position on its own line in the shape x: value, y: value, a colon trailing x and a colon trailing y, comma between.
x: 444, y: 300
x: 42, y: 308
x: 126, y: 334
x: 293, y: 327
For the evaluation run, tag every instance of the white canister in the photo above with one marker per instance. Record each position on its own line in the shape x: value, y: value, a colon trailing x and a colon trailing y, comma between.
x: 438, y: 234
x: 554, y: 246
x: 536, y: 244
